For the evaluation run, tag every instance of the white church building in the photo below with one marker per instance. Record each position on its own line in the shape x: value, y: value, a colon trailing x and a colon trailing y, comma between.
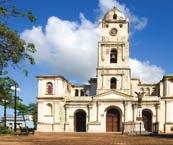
x: 111, y: 102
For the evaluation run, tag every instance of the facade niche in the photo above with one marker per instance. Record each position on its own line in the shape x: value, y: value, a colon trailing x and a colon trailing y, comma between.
x: 49, y: 109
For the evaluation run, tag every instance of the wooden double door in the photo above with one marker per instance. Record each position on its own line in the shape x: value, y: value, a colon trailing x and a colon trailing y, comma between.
x: 113, y: 120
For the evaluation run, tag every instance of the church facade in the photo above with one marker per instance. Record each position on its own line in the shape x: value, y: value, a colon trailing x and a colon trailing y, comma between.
x: 111, y: 102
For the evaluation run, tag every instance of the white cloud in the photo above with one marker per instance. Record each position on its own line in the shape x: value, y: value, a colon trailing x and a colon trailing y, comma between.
x: 136, y: 22
x: 70, y: 48
x: 145, y: 71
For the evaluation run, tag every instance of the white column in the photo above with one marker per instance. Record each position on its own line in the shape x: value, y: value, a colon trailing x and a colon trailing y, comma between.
x: 166, y: 88
x: 55, y: 87
x: 122, y: 81
x: 165, y: 116
x: 133, y: 108
x: 40, y: 115
x: 157, y: 107
x: 125, y: 104
x: 97, y: 111
x: 122, y: 48
x: 102, y: 56
x: 102, y: 81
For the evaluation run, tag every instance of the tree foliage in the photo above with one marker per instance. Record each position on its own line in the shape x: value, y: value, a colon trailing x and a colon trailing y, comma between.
x: 30, y: 109
x: 13, y: 49
x: 6, y: 93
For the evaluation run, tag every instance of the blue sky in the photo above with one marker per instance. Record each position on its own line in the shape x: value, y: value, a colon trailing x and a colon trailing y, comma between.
x: 151, y: 47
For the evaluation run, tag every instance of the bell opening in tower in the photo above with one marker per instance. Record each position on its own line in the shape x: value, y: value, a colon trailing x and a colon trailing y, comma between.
x: 113, y: 56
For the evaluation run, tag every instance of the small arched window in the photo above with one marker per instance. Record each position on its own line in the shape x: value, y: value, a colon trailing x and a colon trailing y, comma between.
x: 154, y: 92
x: 81, y: 92
x: 115, y: 16
x: 76, y: 92
x: 113, y: 84
x: 113, y: 56
x: 49, y: 88
x: 49, y: 109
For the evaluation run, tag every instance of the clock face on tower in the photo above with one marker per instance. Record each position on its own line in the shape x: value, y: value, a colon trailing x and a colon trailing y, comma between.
x: 113, y: 31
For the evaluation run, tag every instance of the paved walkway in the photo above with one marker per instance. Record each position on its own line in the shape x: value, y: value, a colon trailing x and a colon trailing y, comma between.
x: 85, y: 139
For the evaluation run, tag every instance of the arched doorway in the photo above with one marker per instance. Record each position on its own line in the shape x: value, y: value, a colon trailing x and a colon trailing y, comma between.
x: 147, y: 119
x: 113, y: 120
x: 80, y: 121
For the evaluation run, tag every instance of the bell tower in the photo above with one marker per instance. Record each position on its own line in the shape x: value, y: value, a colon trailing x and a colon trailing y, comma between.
x: 113, y: 71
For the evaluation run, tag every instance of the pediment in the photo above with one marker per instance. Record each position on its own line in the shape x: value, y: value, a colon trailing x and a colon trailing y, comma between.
x: 113, y: 95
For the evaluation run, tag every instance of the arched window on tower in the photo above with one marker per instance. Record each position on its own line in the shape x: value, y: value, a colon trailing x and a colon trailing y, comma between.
x: 49, y: 88
x: 113, y: 84
x: 113, y: 56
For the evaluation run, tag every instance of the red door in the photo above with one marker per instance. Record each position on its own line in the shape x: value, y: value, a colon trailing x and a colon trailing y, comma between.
x: 112, y: 120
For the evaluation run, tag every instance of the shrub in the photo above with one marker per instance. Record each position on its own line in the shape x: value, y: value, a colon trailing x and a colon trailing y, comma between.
x: 5, y: 130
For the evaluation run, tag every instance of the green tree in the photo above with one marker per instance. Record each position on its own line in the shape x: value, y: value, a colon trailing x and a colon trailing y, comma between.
x: 7, y: 93
x: 22, y: 109
x: 5, y: 90
x: 30, y: 109
x: 13, y: 49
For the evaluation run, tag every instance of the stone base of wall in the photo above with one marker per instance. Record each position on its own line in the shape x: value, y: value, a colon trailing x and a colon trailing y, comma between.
x: 43, y: 127
x: 168, y: 127
x: 133, y: 127
x: 95, y: 127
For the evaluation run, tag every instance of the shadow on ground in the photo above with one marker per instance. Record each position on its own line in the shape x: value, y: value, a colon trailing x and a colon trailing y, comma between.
x: 160, y: 135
